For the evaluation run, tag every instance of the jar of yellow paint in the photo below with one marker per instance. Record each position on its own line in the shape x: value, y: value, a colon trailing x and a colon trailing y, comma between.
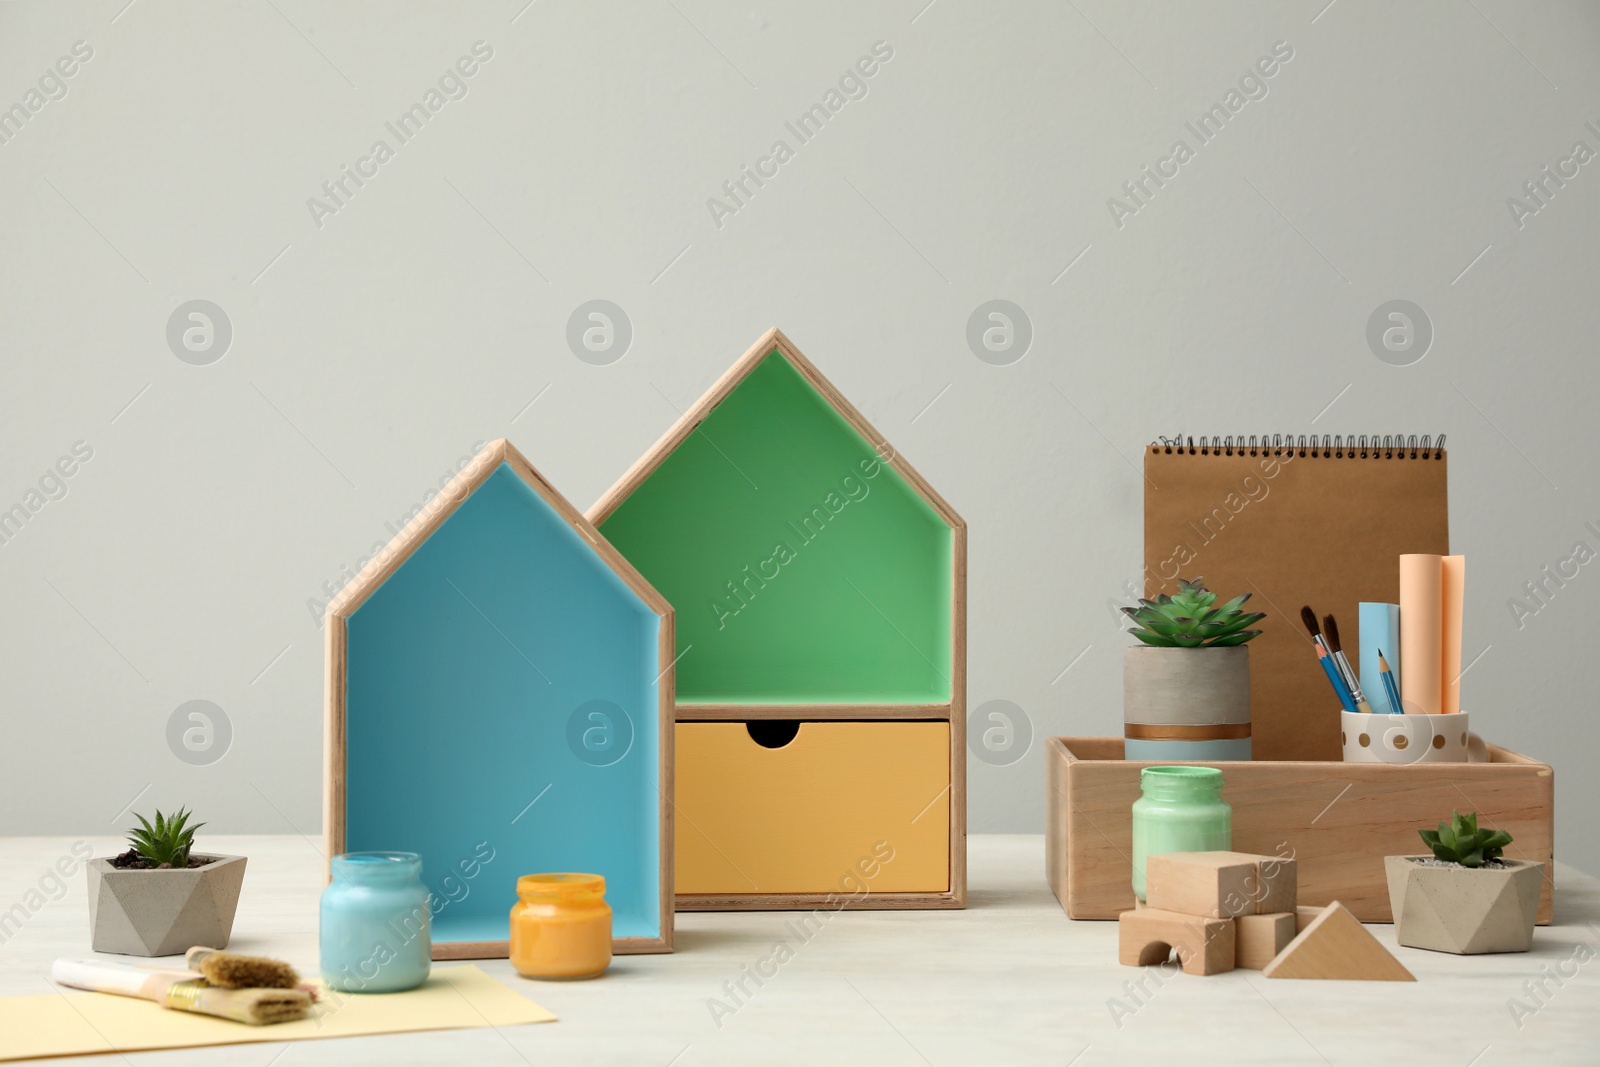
x: 561, y: 926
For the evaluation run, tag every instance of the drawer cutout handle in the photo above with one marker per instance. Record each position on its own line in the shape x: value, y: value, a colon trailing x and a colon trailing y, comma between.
x: 772, y: 733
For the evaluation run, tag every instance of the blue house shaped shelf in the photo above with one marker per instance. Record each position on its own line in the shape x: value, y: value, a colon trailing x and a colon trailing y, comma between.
x: 499, y: 701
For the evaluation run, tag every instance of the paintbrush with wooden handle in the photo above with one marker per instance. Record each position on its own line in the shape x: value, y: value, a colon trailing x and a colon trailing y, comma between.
x: 183, y: 991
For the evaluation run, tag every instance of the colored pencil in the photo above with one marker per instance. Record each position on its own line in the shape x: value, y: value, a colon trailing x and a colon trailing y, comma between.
x: 1390, y: 690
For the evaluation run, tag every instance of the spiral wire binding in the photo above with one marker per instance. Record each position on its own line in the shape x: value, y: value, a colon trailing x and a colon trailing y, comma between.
x: 1328, y: 446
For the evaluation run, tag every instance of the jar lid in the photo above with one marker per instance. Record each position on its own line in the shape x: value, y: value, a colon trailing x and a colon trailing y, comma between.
x: 359, y: 866
x: 561, y: 885
x: 1178, y: 774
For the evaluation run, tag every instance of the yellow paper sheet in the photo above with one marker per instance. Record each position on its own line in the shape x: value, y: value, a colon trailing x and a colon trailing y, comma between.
x: 74, y: 1023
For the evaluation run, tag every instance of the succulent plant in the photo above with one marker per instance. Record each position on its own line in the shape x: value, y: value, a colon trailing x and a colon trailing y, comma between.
x: 167, y: 843
x: 1460, y: 841
x: 1191, y: 619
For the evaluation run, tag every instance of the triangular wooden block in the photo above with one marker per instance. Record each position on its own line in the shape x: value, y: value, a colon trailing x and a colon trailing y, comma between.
x: 1336, y: 945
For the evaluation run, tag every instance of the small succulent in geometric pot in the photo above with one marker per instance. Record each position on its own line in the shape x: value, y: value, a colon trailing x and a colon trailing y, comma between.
x: 1460, y: 842
x: 163, y: 846
x: 1186, y: 685
x: 160, y: 897
x: 1466, y: 897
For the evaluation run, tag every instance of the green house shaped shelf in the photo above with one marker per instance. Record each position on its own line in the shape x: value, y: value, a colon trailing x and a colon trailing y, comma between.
x: 818, y: 583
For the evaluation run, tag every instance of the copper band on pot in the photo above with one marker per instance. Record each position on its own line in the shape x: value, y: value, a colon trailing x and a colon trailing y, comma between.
x: 1222, y: 731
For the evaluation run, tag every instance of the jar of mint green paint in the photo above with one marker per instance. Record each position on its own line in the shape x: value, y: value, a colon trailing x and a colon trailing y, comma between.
x: 375, y: 923
x: 1182, y: 810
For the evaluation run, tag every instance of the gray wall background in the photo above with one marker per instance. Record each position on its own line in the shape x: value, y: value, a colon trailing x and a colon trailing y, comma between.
x: 430, y: 311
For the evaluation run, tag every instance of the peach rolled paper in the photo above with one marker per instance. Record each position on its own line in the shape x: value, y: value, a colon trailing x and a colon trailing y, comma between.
x: 1452, y: 586
x: 1421, y: 632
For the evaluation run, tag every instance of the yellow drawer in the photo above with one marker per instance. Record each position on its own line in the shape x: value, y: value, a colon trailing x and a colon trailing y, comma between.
x: 841, y: 806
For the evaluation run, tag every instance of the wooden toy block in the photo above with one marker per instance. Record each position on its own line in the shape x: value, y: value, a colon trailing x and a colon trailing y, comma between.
x: 1214, y: 884
x: 1277, y: 887
x: 1305, y: 915
x: 1149, y: 936
x: 1257, y: 939
x: 1220, y: 884
x: 1336, y: 945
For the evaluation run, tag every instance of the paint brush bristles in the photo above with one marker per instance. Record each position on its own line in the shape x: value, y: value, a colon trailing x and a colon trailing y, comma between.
x: 1330, y: 626
x: 1309, y: 617
x: 228, y: 970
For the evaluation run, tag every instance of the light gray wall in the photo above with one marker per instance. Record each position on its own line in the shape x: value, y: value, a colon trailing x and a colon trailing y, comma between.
x: 370, y: 352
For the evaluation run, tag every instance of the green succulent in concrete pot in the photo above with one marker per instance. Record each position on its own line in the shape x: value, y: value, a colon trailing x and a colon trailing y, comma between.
x: 161, y: 897
x: 1466, y: 897
x: 1186, y: 685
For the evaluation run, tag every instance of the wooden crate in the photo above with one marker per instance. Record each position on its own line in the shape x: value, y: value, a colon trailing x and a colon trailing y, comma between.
x: 820, y: 580
x: 1338, y: 820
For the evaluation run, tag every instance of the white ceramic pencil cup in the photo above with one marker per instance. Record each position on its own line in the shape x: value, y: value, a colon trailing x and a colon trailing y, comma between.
x: 1404, y: 738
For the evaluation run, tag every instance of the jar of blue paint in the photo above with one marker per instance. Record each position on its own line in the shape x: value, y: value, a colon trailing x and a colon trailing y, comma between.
x: 374, y: 923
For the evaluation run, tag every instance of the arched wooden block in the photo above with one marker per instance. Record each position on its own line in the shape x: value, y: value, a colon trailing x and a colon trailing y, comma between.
x: 1148, y: 936
x: 480, y: 670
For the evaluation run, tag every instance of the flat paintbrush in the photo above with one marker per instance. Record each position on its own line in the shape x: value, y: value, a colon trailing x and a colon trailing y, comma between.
x: 1336, y: 647
x: 229, y: 970
x: 183, y: 991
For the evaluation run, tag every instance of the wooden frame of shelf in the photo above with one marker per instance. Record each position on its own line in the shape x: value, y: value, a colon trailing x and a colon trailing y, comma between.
x: 955, y: 893
x: 384, y: 565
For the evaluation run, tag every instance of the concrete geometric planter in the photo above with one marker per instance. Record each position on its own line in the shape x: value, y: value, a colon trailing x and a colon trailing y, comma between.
x: 163, y: 912
x: 1464, y: 910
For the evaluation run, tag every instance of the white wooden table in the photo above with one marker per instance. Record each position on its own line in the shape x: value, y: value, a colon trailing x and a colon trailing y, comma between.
x: 1010, y: 980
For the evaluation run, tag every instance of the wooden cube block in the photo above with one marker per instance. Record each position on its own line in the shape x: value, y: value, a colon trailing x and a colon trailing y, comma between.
x: 1305, y: 915
x: 1214, y: 884
x: 1148, y: 936
x: 1258, y: 938
x: 1278, y: 885
x: 1220, y: 884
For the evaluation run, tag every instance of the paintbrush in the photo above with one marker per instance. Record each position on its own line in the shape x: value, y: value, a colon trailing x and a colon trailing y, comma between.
x: 1325, y: 659
x: 1336, y: 649
x: 229, y: 970
x: 183, y: 991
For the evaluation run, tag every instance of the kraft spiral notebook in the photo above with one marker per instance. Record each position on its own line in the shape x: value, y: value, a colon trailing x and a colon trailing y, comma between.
x: 1318, y: 520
